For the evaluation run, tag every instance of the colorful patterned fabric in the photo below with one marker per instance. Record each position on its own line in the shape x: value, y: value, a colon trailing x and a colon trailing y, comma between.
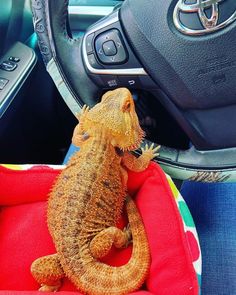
x: 189, y: 228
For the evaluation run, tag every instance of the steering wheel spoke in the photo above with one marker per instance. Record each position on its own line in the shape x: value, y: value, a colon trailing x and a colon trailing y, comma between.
x: 109, y: 59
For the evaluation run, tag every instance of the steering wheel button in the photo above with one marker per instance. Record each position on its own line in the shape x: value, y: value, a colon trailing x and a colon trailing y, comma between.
x: 129, y: 81
x: 89, y: 43
x: 110, y: 81
x: 93, y: 62
x: 109, y: 48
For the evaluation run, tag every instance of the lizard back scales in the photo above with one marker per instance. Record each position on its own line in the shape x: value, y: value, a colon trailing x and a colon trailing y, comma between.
x: 87, y: 201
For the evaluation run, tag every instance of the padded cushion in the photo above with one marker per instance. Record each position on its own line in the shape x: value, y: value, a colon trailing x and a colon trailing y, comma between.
x: 24, y: 235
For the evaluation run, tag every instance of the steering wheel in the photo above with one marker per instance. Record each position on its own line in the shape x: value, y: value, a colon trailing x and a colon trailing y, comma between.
x: 182, y: 52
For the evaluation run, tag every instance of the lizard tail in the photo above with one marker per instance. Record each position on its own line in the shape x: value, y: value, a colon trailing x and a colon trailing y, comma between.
x: 101, y: 279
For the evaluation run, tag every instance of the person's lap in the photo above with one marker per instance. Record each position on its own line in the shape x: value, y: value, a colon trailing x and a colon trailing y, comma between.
x: 213, y: 207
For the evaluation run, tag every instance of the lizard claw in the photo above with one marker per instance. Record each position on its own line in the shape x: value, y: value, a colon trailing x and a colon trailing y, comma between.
x: 155, y: 150
x: 47, y: 288
x: 83, y: 112
x: 85, y: 109
x: 128, y: 233
x: 151, y: 152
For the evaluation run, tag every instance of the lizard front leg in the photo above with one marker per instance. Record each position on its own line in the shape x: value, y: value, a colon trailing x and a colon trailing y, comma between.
x: 48, y: 272
x: 141, y: 163
x: 102, y: 242
x: 79, y: 134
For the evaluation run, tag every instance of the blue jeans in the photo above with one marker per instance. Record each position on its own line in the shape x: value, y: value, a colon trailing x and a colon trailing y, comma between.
x: 72, y: 149
x: 213, y: 207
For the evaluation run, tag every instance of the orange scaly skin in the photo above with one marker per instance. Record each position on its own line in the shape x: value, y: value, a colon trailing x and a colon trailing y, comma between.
x: 88, y: 198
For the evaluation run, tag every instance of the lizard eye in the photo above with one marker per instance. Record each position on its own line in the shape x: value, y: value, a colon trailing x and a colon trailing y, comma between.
x: 126, y: 107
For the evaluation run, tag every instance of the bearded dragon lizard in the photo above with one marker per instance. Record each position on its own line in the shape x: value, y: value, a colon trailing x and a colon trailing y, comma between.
x: 87, y: 200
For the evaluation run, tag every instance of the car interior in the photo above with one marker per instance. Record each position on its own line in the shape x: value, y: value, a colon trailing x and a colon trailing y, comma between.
x: 42, y: 142
x: 56, y: 56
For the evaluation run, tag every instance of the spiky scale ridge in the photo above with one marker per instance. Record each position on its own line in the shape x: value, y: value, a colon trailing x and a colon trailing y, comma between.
x: 88, y: 198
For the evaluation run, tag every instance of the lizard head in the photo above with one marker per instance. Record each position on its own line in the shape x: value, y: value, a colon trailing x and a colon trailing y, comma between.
x: 117, y: 116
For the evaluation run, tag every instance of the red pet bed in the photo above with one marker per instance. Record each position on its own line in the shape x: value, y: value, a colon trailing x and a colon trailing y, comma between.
x: 176, y: 259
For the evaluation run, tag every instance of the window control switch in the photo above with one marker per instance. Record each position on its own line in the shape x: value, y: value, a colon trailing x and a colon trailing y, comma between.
x: 14, y: 58
x: 3, y: 83
x: 8, y: 65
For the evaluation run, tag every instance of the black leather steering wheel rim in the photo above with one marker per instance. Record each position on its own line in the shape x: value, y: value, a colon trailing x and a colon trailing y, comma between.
x: 66, y: 59
x: 50, y: 23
